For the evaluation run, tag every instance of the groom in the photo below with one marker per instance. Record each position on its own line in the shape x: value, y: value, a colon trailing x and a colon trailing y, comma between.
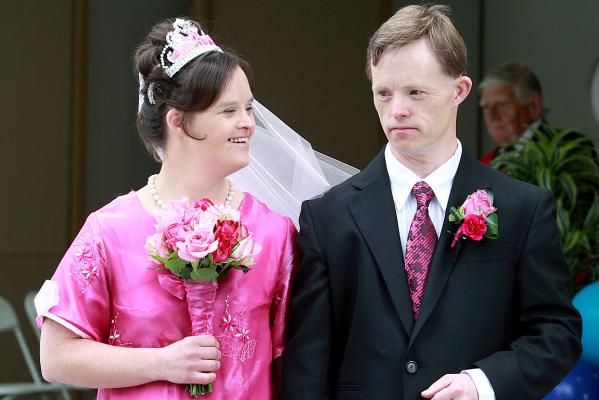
x: 385, y: 305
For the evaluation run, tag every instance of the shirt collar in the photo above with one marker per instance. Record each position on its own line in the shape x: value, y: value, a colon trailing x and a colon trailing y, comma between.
x: 403, y: 179
x: 532, y: 128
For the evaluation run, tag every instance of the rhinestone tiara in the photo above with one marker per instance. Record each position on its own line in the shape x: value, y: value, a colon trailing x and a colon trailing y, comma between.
x: 183, y: 44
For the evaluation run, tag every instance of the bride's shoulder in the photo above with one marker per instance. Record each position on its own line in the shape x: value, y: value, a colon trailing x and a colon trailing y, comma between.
x: 256, y: 210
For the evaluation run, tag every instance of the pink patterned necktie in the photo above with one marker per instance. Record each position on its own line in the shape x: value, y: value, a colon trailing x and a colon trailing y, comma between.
x: 420, y: 245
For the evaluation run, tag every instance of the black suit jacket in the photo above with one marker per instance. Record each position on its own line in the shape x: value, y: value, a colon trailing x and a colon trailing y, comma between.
x: 501, y: 305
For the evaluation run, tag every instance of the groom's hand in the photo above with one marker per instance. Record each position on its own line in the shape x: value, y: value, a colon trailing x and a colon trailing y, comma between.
x: 452, y: 387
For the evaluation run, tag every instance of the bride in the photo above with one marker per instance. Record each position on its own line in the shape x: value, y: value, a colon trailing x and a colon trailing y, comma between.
x: 109, y: 320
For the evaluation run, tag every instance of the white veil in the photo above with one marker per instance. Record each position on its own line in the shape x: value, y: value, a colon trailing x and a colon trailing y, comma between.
x: 284, y: 170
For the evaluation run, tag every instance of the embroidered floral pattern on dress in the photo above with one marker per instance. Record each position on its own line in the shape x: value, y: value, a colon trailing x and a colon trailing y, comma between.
x: 236, y: 340
x: 114, y: 338
x: 89, y: 254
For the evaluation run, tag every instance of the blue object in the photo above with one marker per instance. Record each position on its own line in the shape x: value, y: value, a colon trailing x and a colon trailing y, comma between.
x: 587, y: 303
x: 582, y: 383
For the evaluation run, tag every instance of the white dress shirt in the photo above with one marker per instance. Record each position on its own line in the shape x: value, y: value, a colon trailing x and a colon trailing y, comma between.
x: 440, y: 180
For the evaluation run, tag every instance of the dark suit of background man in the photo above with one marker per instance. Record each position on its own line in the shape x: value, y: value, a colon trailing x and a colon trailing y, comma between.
x: 495, y: 319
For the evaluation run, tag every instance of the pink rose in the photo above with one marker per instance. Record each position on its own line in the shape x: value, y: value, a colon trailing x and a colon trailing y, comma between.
x: 203, y: 211
x: 478, y: 203
x: 225, y: 211
x: 197, y: 245
x: 155, y: 245
x: 474, y: 226
x: 246, y: 250
x: 174, y: 213
x: 174, y: 233
x: 205, y: 220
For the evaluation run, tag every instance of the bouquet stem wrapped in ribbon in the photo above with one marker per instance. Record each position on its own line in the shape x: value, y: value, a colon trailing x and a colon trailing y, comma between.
x: 200, y: 304
x: 199, y: 245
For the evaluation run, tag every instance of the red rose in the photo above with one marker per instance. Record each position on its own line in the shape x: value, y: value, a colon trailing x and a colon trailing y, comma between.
x: 227, y: 235
x: 474, y: 226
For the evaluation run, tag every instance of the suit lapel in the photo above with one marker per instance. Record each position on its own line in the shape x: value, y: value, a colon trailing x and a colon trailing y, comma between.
x: 468, y: 179
x: 374, y: 212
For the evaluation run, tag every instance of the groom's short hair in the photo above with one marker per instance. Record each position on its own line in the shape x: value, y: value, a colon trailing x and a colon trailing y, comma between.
x: 415, y: 22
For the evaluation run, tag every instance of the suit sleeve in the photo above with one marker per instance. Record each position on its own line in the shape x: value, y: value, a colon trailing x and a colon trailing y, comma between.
x: 548, y: 328
x: 306, y: 358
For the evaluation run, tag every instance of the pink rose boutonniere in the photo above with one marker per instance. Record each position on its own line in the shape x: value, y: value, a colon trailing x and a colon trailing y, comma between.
x: 477, y: 218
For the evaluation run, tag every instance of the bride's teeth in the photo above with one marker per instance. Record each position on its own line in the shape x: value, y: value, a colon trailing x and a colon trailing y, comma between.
x: 238, y: 140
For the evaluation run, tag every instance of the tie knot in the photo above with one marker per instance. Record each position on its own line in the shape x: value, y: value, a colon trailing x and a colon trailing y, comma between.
x: 423, y: 193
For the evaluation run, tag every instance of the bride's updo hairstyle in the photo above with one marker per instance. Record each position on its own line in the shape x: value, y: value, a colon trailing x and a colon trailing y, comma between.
x: 181, y: 67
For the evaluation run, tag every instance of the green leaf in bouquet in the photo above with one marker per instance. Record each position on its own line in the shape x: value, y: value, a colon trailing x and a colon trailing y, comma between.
x: 492, y: 226
x: 455, y: 216
x: 245, y: 268
x: 207, y: 262
x: 185, y: 272
x: 203, y: 274
x: 176, y: 265
x: 157, y: 259
x: 223, y: 271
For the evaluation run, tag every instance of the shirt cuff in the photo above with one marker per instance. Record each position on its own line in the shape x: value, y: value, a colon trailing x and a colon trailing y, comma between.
x: 481, y: 382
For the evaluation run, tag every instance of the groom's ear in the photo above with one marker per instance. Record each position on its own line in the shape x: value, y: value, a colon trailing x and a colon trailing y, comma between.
x: 462, y: 88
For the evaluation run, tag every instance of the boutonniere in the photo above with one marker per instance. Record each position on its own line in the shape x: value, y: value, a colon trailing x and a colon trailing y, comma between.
x: 476, y: 218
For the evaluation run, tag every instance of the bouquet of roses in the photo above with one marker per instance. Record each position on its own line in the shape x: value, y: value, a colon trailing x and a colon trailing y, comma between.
x: 200, y: 244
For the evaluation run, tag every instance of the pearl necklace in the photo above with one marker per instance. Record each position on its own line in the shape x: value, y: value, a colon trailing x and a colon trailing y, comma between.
x: 160, y: 203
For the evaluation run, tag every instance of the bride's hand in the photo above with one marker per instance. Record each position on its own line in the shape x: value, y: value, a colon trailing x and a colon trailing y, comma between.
x: 194, y: 359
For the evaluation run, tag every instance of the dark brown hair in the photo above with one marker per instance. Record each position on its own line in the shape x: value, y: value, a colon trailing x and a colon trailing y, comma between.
x: 414, y: 22
x: 194, y: 87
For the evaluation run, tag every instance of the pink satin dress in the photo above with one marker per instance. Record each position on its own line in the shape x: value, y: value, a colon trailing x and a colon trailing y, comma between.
x: 106, y: 289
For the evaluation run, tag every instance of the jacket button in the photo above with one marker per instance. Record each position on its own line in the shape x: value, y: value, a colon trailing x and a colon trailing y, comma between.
x: 411, y: 367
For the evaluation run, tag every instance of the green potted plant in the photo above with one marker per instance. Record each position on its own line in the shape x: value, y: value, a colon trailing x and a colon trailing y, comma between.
x: 565, y: 163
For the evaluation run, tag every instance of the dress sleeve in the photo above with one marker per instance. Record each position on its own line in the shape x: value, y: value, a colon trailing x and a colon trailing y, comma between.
x: 77, y: 296
x: 287, y: 264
